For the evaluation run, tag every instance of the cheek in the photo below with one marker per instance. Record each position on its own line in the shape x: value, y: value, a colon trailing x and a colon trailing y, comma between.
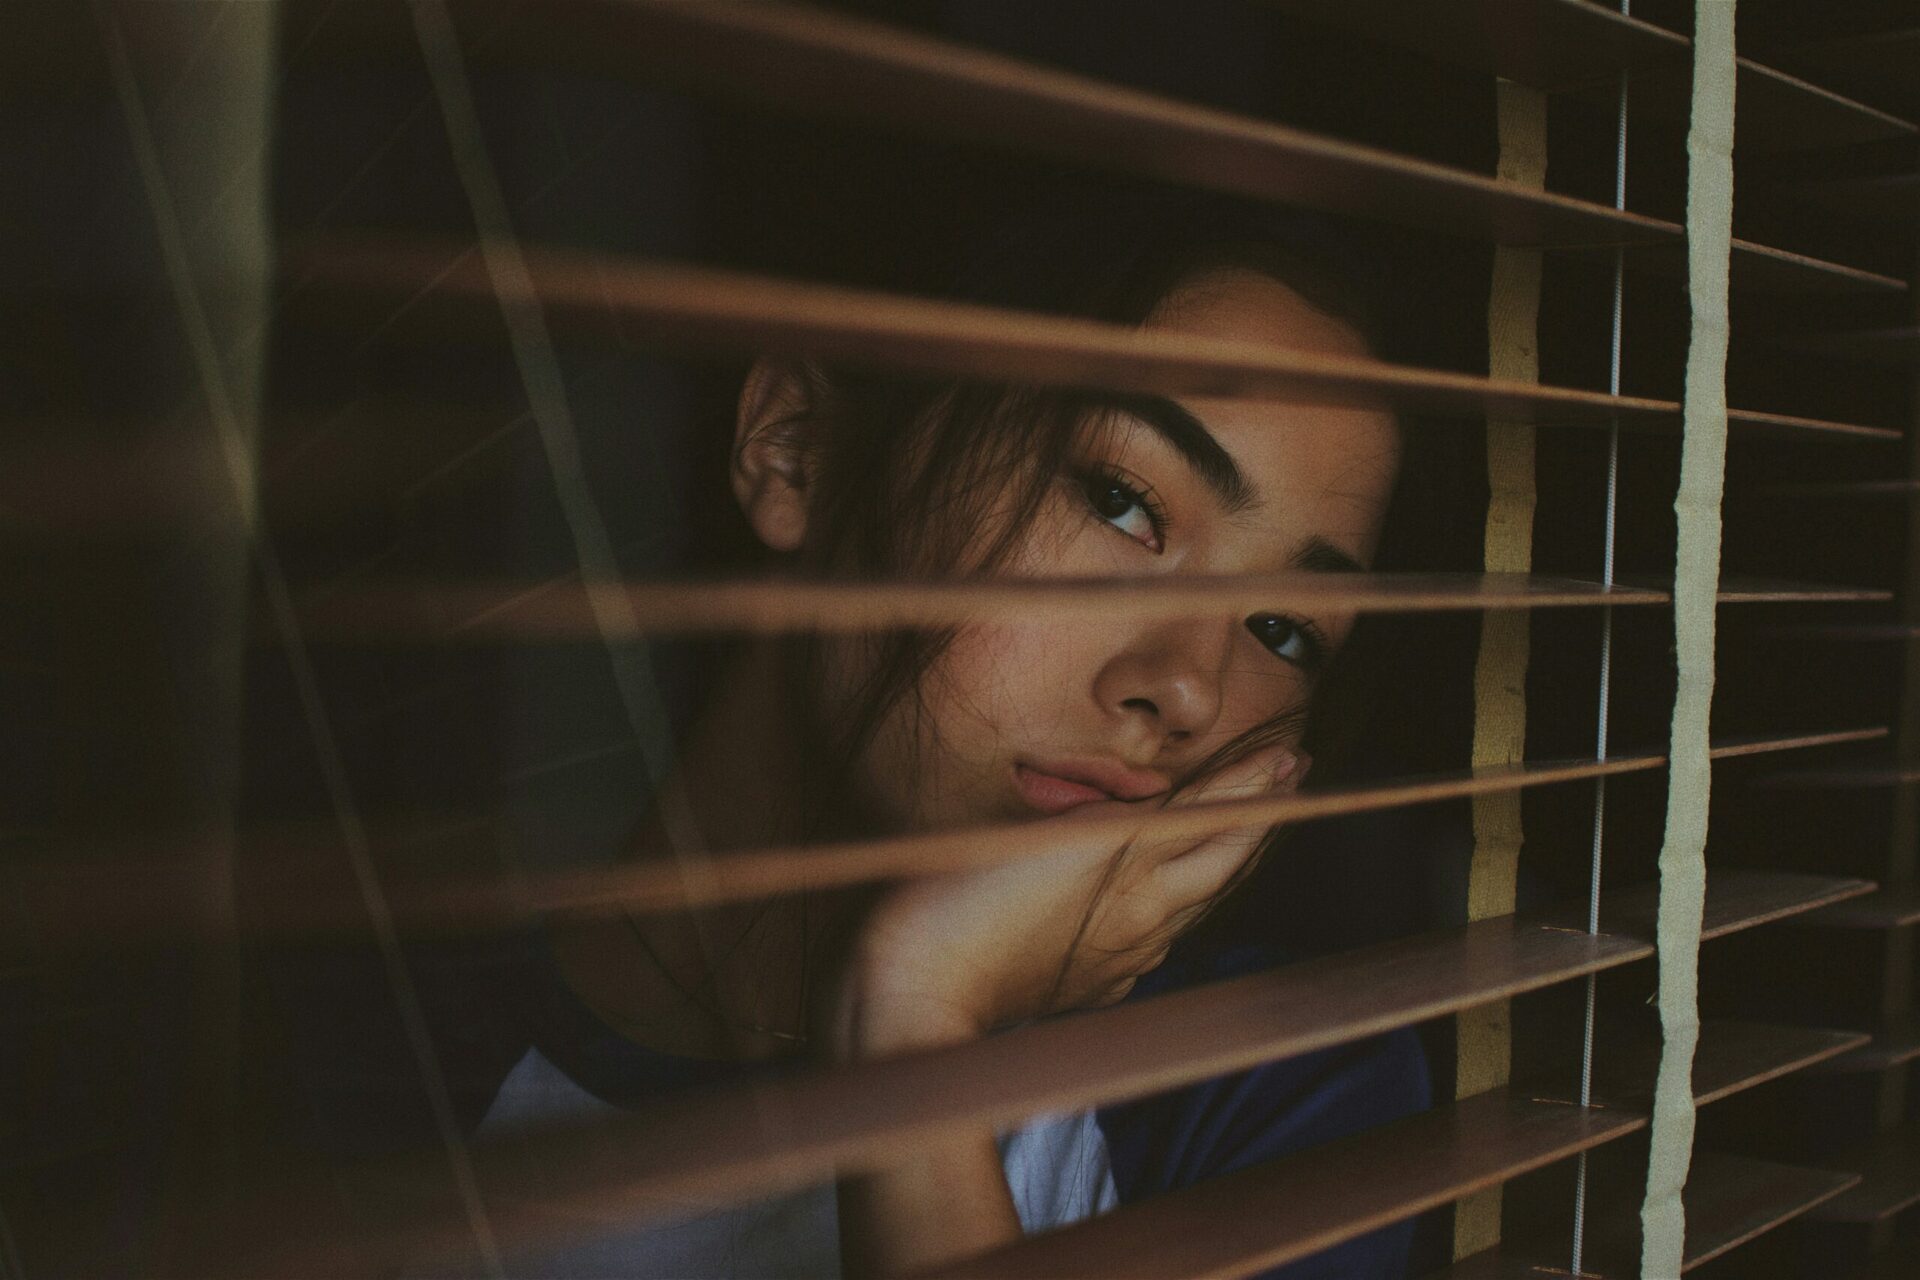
x: 994, y: 693
x: 1259, y: 687
x: 998, y: 685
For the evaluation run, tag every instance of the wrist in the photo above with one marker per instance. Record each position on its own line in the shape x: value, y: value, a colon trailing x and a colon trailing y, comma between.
x: 881, y: 1032
x: 874, y: 1015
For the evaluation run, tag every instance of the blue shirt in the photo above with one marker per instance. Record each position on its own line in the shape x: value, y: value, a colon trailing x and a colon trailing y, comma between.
x: 1060, y: 1168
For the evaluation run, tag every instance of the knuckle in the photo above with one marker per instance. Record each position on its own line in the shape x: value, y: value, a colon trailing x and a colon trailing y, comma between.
x: 1144, y: 909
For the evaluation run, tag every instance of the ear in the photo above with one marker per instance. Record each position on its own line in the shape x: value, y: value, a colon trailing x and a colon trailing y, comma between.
x: 772, y: 470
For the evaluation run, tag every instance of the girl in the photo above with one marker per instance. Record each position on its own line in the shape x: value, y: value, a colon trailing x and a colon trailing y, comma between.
x: 842, y: 474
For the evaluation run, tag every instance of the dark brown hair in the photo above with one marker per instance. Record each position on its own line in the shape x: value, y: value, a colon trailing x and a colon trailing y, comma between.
x: 918, y: 477
x: 909, y: 472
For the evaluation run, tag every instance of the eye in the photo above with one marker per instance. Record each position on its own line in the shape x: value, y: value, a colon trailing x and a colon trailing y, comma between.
x: 1295, y: 639
x: 1130, y: 510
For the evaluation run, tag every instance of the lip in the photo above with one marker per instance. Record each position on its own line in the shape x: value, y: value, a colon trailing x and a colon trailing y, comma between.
x: 1054, y: 786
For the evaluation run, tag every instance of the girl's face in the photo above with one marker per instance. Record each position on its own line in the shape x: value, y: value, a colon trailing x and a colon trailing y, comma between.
x: 1020, y: 720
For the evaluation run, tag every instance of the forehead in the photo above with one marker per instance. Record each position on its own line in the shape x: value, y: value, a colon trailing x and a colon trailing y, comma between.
x: 1319, y: 469
x: 1247, y: 305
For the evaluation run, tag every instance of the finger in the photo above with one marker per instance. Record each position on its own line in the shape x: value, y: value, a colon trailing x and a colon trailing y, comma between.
x: 1197, y: 875
x: 1273, y: 768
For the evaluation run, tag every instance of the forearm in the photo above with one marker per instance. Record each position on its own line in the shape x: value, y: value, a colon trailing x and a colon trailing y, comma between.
x: 949, y: 1200
x: 943, y: 1201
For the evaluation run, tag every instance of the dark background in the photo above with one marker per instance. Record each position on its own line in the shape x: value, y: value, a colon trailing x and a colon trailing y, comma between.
x: 406, y: 451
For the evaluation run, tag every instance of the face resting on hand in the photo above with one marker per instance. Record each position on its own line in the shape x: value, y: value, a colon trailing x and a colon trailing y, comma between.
x: 1025, y: 719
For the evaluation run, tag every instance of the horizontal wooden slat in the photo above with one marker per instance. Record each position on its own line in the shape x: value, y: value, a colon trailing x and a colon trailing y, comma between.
x: 569, y: 609
x: 1876, y: 67
x: 102, y: 475
x: 749, y: 874
x: 1272, y: 1214
x: 1574, y: 45
x: 1788, y: 427
x: 1744, y: 901
x: 785, y: 1132
x: 1729, y: 748
x: 563, y: 609
x: 830, y: 64
x: 1269, y: 1215
x: 792, y: 1132
x: 1889, y: 1184
x: 1731, y: 1056
x: 82, y: 478
x: 75, y: 899
x: 1778, y: 111
x: 1729, y: 1200
x: 699, y: 308
x: 1887, y: 909
x: 1882, y: 1053
x: 1763, y: 269
x: 1734, y: 1056
x: 1737, y: 590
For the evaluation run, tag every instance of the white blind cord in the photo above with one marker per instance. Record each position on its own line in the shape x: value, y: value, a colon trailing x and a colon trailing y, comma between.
x: 1606, y: 669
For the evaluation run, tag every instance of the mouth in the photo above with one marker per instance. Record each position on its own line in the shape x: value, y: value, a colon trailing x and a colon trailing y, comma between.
x: 1059, y: 786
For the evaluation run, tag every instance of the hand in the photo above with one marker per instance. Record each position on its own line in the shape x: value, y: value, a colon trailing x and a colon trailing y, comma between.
x: 949, y: 957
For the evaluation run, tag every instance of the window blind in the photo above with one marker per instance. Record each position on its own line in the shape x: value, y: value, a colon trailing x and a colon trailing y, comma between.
x: 287, y: 544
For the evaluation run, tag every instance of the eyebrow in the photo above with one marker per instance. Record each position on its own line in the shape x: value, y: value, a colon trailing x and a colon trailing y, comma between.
x: 1317, y: 555
x: 1190, y: 438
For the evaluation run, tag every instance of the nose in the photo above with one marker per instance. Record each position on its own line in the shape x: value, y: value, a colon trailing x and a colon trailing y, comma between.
x: 1169, y: 679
